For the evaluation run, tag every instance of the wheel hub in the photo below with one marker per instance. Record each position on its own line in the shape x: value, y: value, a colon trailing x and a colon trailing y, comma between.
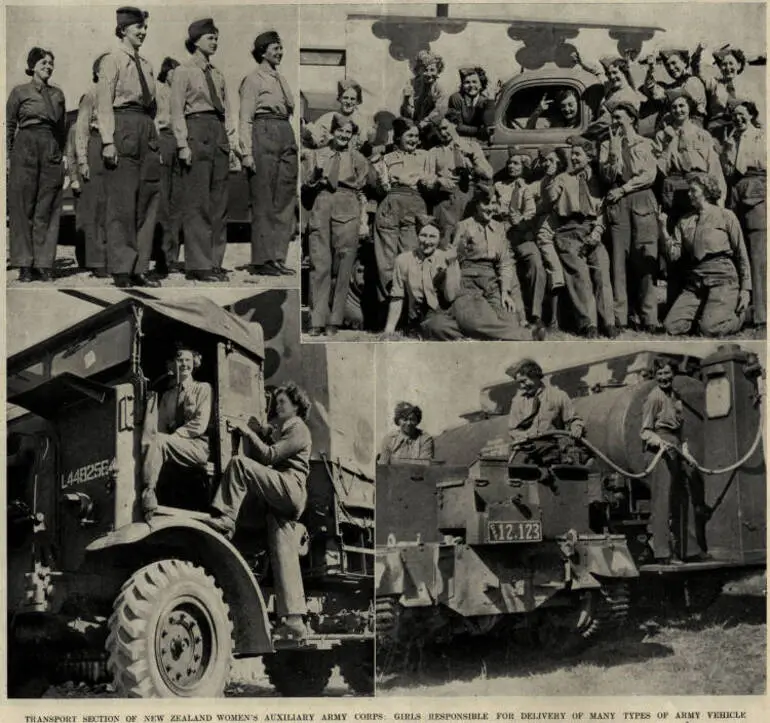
x: 181, y: 648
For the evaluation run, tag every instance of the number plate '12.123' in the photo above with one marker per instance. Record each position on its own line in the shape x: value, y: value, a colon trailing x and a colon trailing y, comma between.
x: 519, y: 531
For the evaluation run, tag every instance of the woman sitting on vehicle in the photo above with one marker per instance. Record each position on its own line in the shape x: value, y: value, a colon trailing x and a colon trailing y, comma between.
x: 424, y: 100
x: 728, y: 86
x: 408, y: 443
x: 615, y: 73
x: 745, y: 167
x: 469, y: 108
x: 350, y: 96
x: 426, y: 279
x: 677, y: 64
x: 717, y: 275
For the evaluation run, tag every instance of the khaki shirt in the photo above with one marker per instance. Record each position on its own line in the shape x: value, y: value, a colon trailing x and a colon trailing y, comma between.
x: 291, y: 451
x: 195, y: 398
x: 549, y: 409
x: 264, y: 91
x: 661, y: 413
x: 397, y: 446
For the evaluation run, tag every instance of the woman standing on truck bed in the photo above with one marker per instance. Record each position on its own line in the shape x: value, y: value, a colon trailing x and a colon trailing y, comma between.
x: 269, y: 157
x: 35, y: 136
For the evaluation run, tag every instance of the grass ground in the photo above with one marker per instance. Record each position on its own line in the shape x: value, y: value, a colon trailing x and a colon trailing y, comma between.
x: 722, y: 652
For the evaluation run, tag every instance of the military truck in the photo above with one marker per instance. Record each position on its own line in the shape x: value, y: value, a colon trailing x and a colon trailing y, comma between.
x: 475, y: 544
x: 161, y: 608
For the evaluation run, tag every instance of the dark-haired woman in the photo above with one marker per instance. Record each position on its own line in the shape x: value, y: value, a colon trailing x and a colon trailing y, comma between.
x: 745, y: 167
x: 125, y: 108
x: 269, y: 157
x: 676, y: 61
x: 407, y: 443
x: 36, y: 135
x: 683, y: 147
x: 717, y: 275
x: 468, y: 109
x: 275, y: 473
x: 349, y: 96
x: 336, y: 175
x: 672, y: 518
x: 425, y: 280
x: 401, y: 175
x: 203, y: 127
x: 722, y: 89
x: 90, y: 166
x: 567, y: 114
x: 170, y: 191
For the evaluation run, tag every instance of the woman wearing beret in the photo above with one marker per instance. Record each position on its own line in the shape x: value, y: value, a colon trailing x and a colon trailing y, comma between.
x: 170, y: 192
x: 408, y: 443
x: 204, y: 128
x: 425, y: 279
x: 126, y: 107
x: 401, y: 175
x: 628, y: 165
x: 745, y: 167
x: 349, y: 96
x: 728, y: 86
x: 36, y: 136
x: 336, y: 176
x: 715, y: 265
x: 269, y: 157
x: 468, y: 108
x: 90, y: 166
x: 676, y: 61
x: 424, y: 99
x: 683, y: 147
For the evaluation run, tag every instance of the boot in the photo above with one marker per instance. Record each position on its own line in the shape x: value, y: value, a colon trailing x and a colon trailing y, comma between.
x: 25, y: 274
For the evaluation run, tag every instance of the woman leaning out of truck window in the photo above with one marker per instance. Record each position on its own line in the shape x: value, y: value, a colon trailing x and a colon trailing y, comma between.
x: 35, y: 137
x: 715, y: 265
x: 335, y: 176
x: 401, y: 175
x: 469, y: 108
x: 426, y: 280
x: 745, y: 167
x: 349, y: 96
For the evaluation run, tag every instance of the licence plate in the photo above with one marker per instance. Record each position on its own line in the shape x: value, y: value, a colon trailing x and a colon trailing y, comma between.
x: 519, y: 531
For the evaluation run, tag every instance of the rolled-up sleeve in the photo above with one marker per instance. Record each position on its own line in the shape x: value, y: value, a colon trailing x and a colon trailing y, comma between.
x: 82, y: 127
x: 650, y: 411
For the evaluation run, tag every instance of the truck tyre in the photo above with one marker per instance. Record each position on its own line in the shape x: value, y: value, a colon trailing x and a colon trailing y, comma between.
x: 170, y: 634
x: 299, y: 674
x: 356, y: 663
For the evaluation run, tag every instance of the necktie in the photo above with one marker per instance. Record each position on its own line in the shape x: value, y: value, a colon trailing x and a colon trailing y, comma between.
x: 179, y: 419
x: 685, y: 158
x: 529, y: 420
x: 286, y: 93
x: 333, y: 172
x: 459, y: 158
x: 147, y: 100
x: 515, y: 200
x: 428, y: 289
x: 45, y: 92
x: 216, y: 101
x: 584, y: 196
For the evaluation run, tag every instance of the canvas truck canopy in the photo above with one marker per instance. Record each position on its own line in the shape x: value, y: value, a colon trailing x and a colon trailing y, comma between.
x: 105, y: 340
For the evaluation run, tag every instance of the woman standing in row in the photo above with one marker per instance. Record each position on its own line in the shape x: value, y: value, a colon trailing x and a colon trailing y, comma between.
x: 269, y: 157
x: 35, y: 128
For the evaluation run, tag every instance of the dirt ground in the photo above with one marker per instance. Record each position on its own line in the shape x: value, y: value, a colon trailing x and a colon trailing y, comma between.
x: 721, y: 652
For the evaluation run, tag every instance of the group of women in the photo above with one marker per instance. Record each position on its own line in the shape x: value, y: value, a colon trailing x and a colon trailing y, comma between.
x: 575, y: 238
x: 149, y: 157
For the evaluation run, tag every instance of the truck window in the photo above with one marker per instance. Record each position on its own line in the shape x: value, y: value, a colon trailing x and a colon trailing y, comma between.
x: 523, y: 103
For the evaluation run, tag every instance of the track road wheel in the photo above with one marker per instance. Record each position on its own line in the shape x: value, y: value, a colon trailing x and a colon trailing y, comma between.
x: 568, y: 631
x: 299, y: 673
x: 170, y: 634
x: 356, y: 661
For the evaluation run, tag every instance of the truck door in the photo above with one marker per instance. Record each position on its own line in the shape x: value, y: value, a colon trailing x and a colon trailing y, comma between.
x: 97, y: 448
x: 240, y: 396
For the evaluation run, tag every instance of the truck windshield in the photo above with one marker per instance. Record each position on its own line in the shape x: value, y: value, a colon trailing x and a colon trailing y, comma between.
x: 86, y: 357
x: 561, y: 107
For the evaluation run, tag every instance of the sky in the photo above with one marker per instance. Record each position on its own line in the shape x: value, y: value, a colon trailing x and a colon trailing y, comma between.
x: 444, y: 379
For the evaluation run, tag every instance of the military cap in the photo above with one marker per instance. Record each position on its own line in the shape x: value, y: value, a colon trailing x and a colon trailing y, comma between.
x: 268, y: 38
x: 683, y: 53
x: 627, y: 106
x: 721, y: 53
x: 528, y: 367
x: 582, y: 142
x: 198, y: 28
x: 128, y: 15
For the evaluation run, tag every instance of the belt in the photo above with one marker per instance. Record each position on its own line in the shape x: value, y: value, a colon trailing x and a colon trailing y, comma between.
x: 271, y: 116
x: 133, y: 108
x: 713, y: 257
x: 41, y: 126
x: 205, y: 114
x: 403, y: 189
